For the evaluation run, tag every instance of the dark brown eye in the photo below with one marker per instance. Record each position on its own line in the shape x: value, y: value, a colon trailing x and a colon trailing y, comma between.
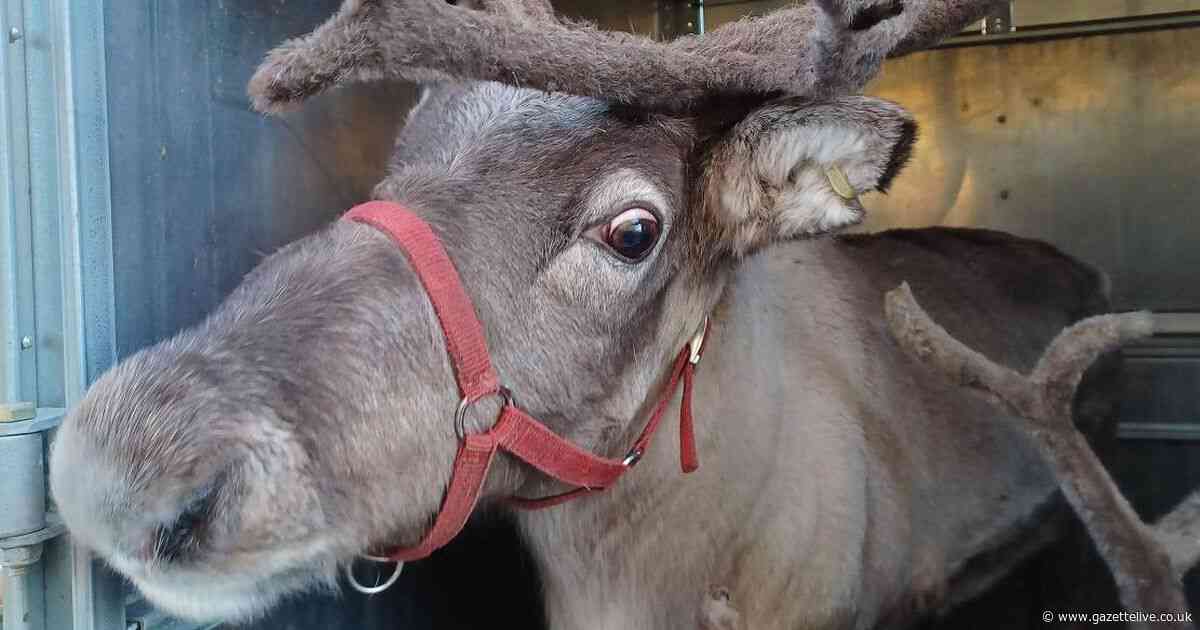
x: 633, y: 234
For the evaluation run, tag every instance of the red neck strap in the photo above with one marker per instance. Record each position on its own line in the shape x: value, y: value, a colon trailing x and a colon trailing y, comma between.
x: 515, y: 431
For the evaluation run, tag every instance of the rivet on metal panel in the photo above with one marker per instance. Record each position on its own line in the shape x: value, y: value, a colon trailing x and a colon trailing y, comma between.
x: 26, y: 342
x: 15, y: 35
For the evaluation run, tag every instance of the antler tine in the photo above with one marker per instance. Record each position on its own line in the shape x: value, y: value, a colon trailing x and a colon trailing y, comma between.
x: 829, y: 47
x: 822, y: 48
x: 934, y: 20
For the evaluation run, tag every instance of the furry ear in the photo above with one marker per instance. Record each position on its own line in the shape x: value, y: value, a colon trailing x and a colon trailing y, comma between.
x: 795, y: 168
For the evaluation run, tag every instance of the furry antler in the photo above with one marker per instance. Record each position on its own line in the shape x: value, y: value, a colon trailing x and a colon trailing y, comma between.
x: 1146, y: 562
x: 821, y: 48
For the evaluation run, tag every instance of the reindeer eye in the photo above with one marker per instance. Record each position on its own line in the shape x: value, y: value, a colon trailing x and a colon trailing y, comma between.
x: 633, y: 234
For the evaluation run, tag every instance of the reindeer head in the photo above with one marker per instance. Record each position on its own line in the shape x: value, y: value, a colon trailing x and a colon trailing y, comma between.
x: 593, y: 189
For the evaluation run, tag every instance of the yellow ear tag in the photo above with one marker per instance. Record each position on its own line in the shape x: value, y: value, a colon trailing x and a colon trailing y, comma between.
x: 841, y: 185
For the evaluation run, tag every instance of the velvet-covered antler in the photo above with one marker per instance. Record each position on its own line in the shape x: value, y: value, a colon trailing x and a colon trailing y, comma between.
x: 821, y: 48
x: 1146, y: 562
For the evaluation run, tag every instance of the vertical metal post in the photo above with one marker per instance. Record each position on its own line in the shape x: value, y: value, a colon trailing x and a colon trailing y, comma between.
x: 56, y: 297
x: 89, y: 597
x: 22, y: 484
x: 18, y: 333
x: 25, y: 525
x: 19, y: 595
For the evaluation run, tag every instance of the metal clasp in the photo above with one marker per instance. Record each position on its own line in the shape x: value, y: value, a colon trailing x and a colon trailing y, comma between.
x: 460, y: 416
x: 379, y: 587
x: 697, y: 343
x: 633, y: 457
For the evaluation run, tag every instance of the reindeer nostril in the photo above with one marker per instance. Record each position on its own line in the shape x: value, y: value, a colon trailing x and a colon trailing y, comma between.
x: 871, y: 16
x: 181, y: 539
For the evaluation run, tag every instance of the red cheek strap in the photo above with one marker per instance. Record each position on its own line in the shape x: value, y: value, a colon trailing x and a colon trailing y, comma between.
x: 515, y: 431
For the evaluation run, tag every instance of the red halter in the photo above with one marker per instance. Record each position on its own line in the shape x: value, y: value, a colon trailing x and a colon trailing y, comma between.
x: 515, y: 431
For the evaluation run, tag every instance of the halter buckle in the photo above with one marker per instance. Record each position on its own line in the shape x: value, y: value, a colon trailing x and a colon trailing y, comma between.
x: 697, y: 344
x: 460, y: 416
x: 379, y: 586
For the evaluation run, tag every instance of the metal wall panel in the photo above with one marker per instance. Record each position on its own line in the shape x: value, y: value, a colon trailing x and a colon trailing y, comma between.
x: 202, y: 186
x: 1041, y: 12
x: 1089, y: 143
x: 17, y: 364
x: 56, y: 205
x: 1026, y: 14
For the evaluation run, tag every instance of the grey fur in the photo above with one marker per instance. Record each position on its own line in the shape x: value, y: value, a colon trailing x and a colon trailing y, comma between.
x: 818, y: 49
x: 307, y: 420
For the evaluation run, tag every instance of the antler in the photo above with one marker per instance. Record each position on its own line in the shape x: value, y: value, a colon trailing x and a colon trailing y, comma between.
x: 822, y: 48
x: 1146, y: 562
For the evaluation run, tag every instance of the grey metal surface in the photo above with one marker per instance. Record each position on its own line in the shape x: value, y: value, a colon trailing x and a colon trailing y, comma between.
x: 72, y: 260
x: 22, y: 593
x: 55, y: 184
x: 23, y: 491
x: 202, y: 187
x: 54, y: 527
x: 17, y: 365
x: 85, y: 229
x: 44, y: 187
x: 1041, y: 12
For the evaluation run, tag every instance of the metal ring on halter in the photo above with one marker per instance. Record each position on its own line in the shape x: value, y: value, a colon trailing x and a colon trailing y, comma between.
x: 460, y: 416
x: 378, y: 588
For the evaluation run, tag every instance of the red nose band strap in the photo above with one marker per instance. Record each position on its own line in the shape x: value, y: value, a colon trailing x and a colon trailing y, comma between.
x: 465, y: 342
x: 515, y: 431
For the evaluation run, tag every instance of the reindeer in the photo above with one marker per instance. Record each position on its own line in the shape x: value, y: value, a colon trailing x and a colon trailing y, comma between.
x: 600, y: 196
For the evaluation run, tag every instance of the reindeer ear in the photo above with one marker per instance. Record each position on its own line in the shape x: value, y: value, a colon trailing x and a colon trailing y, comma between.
x: 795, y: 168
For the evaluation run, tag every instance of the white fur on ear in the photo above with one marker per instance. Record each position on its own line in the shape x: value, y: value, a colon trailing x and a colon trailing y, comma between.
x: 793, y: 163
x: 794, y: 168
